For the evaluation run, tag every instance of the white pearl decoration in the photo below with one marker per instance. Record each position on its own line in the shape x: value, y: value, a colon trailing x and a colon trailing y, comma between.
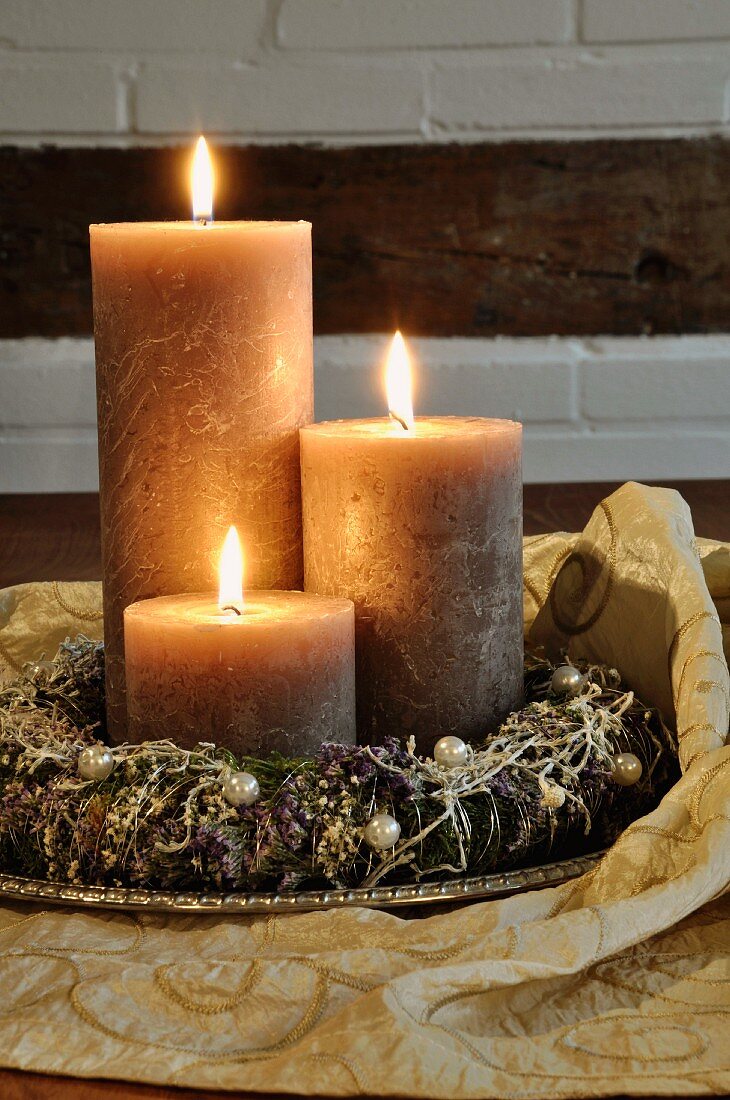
x: 95, y: 762
x: 552, y: 794
x: 382, y: 832
x: 626, y: 769
x: 450, y: 752
x: 566, y: 680
x: 241, y: 789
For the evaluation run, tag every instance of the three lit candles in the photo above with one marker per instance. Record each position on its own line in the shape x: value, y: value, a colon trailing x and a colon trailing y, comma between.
x: 411, y: 526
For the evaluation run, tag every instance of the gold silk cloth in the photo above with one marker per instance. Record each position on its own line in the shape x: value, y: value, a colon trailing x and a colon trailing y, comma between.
x: 618, y: 982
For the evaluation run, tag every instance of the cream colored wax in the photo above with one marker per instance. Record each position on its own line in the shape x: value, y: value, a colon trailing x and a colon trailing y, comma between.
x: 204, y: 376
x: 279, y: 677
x: 422, y: 528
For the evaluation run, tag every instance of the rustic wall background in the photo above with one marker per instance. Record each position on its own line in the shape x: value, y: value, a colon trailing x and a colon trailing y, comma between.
x: 394, y: 72
x: 344, y: 71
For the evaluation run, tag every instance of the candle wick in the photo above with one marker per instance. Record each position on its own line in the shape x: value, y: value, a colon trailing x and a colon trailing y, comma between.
x: 401, y: 421
x: 231, y: 607
x: 202, y: 221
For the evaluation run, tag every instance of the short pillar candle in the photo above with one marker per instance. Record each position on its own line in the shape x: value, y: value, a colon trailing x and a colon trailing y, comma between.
x: 278, y: 676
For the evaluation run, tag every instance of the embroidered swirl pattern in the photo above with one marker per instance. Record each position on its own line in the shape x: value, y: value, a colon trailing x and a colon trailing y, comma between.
x: 602, y: 986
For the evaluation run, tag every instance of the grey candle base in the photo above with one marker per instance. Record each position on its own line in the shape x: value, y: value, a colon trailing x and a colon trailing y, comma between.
x: 424, y: 535
x: 396, y: 698
x: 242, y: 742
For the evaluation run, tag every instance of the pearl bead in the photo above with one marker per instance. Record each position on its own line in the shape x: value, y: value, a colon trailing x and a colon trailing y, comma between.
x: 626, y: 769
x: 450, y: 752
x: 566, y: 680
x: 382, y: 832
x: 241, y: 789
x: 552, y: 795
x: 95, y: 762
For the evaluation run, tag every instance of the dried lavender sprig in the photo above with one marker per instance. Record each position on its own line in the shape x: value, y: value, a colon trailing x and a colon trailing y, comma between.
x: 161, y: 820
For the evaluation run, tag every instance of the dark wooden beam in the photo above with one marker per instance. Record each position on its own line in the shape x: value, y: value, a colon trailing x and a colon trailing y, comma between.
x: 522, y: 238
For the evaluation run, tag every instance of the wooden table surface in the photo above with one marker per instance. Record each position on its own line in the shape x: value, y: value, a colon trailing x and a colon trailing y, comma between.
x: 56, y: 537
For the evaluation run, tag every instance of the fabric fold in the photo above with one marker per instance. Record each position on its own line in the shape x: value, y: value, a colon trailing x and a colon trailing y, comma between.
x: 616, y: 983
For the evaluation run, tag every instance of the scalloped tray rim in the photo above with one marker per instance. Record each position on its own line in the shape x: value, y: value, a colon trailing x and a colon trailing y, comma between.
x: 376, y: 897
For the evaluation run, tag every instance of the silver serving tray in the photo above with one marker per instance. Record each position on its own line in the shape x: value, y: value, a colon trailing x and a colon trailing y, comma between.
x: 301, y: 901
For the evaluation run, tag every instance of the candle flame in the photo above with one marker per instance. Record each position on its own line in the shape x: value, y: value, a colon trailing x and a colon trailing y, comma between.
x: 398, y: 383
x: 202, y: 182
x: 230, y: 590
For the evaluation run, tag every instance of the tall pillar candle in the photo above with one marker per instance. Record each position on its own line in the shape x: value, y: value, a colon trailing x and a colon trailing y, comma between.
x: 422, y: 529
x: 204, y: 376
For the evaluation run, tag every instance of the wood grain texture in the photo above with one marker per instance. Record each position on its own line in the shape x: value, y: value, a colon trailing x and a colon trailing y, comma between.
x: 15, y: 1085
x: 521, y: 238
x: 568, y: 507
x: 49, y: 537
x: 55, y: 536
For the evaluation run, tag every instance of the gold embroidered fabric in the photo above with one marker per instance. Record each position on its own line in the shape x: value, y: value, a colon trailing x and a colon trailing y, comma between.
x: 618, y: 983
x: 631, y: 591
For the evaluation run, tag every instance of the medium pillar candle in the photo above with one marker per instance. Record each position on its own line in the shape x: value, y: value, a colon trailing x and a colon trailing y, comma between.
x: 422, y: 529
x: 204, y: 376
x: 278, y: 677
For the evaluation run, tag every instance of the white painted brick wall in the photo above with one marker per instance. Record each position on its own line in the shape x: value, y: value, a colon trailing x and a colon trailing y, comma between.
x: 417, y: 24
x: 232, y: 28
x: 302, y: 99
x: 655, y: 408
x: 529, y: 380
x: 630, y: 87
x: 47, y: 384
x: 342, y: 71
x: 635, y: 380
x: 45, y: 94
x: 654, y: 20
